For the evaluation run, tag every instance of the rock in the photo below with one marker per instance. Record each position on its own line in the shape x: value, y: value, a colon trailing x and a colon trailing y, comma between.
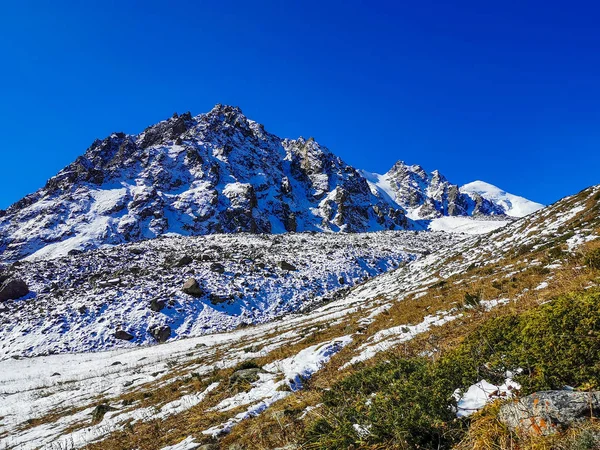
x: 192, y: 287
x: 160, y: 333
x: 284, y: 265
x: 216, y: 298
x: 547, y: 412
x: 123, y: 335
x: 245, y: 375
x: 99, y: 412
x: 184, y: 261
x: 218, y: 268
x: 158, y: 305
x: 74, y: 252
x: 13, y: 289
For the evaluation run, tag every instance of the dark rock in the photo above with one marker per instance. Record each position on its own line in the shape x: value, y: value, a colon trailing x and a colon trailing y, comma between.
x: 217, y: 267
x: 547, y: 412
x: 74, y: 252
x: 99, y: 412
x: 158, y: 305
x: 192, y: 287
x: 123, y: 335
x: 184, y: 261
x: 284, y: 265
x: 82, y: 309
x: 13, y: 289
x: 160, y: 333
x: 56, y: 374
x: 216, y: 298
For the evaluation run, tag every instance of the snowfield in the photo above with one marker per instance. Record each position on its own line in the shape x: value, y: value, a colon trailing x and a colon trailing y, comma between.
x: 79, y: 302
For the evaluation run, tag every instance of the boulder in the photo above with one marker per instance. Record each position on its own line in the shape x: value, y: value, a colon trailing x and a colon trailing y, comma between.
x: 218, y: 268
x: 284, y: 265
x: 12, y: 289
x: 123, y: 335
x: 192, y: 287
x: 158, y: 305
x: 184, y: 261
x: 160, y: 333
x: 547, y: 412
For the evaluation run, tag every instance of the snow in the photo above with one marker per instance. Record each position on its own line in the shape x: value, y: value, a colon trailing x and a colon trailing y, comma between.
x: 513, y: 205
x: 468, y: 225
x: 188, y: 443
x: 267, y: 390
x: 482, y: 393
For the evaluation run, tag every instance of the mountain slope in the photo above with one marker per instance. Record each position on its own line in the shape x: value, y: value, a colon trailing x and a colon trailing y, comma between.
x: 220, y: 172
x: 185, y: 390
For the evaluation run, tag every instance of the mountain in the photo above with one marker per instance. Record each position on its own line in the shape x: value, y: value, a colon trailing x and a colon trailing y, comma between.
x: 512, y: 205
x: 221, y: 172
x: 271, y: 385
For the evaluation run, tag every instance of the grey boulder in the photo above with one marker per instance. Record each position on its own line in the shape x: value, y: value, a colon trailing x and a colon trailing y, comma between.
x: 547, y: 412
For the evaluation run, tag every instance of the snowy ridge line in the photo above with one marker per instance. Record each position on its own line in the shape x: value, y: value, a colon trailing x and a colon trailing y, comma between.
x: 221, y: 172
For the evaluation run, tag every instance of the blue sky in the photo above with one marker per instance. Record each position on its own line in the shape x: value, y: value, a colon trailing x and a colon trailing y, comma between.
x: 506, y: 92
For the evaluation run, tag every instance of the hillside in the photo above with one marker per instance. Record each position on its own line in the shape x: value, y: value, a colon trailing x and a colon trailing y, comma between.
x: 273, y: 377
x: 221, y: 172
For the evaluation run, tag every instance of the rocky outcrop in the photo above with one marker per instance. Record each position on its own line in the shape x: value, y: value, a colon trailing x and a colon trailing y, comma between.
x: 547, y: 412
x: 13, y: 289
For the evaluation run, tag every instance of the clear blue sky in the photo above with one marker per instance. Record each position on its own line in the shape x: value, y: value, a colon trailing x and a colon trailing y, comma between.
x: 506, y: 92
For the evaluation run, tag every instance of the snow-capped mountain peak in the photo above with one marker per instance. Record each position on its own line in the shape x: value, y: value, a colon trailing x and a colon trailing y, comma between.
x: 513, y: 205
x: 220, y: 172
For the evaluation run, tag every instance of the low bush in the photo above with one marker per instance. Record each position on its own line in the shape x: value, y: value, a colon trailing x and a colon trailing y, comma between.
x: 409, y: 403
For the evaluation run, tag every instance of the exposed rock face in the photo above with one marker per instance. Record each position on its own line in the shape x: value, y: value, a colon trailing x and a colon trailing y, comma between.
x: 548, y: 412
x: 217, y: 172
x: 13, y: 289
x: 431, y: 195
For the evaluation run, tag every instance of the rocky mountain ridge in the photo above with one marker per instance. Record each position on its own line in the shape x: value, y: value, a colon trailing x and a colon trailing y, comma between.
x: 221, y: 172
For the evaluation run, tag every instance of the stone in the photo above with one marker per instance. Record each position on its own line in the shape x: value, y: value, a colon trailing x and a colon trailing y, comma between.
x: 160, y: 333
x: 217, y: 267
x: 123, y: 335
x: 184, y: 261
x: 192, y: 287
x: 547, y: 412
x: 13, y: 289
x: 158, y: 305
x: 284, y: 265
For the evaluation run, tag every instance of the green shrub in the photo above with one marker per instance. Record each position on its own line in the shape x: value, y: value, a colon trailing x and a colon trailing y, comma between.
x: 592, y: 259
x: 249, y: 364
x: 556, y: 344
x: 472, y: 299
x: 408, y: 403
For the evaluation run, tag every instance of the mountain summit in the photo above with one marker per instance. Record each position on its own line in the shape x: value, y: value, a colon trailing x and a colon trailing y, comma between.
x: 221, y: 172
